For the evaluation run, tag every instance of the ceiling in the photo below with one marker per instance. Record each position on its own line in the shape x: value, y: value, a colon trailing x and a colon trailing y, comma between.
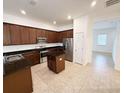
x: 56, y: 10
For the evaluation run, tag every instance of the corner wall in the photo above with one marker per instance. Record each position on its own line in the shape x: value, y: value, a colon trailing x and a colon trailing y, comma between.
x: 116, y: 48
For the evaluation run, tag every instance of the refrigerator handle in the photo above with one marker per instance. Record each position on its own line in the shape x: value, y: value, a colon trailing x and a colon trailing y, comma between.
x: 65, y: 45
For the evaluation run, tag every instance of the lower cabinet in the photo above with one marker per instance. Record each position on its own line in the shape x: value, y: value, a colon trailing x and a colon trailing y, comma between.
x: 18, y: 82
x: 33, y: 56
x: 56, y: 63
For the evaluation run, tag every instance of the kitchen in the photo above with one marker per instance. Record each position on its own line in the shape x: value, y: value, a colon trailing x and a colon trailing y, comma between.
x: 50, y: 46
x: 26, y: 41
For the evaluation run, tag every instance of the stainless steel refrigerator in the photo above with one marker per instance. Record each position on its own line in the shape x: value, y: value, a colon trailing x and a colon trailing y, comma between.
x: 68, y: 45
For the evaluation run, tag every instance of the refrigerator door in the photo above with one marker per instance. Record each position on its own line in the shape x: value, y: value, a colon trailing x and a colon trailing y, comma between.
x: 68, y: 43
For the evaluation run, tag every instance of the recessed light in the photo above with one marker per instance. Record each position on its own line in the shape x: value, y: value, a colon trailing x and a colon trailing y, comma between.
x: 33, y: 2
x: 69, y: 17
x: 54, y: 22
x: 93, y: 3
x: 23, y: 12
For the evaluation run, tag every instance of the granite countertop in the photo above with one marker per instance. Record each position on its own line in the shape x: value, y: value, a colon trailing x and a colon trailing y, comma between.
x: 14, y: 48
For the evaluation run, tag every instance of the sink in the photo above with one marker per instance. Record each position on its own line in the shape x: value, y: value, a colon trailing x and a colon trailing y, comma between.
x: 37, y: 47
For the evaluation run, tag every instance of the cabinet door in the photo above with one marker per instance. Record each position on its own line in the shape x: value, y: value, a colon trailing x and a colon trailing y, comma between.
x: 60, y: 63
x: 70, y: 34
x: 51, y: 37
x: 6, y: 34
x: 32, y: 35
x: 33, y: 56
x: 64, y: 34
x: 15, y: 34
x: 18, y: 82
x: 24, y: 35
x: 40, y: 33
x: 56, y: 37
x: 60, y: 37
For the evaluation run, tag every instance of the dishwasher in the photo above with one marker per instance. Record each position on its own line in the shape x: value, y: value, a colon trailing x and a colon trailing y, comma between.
x: 43, y: 56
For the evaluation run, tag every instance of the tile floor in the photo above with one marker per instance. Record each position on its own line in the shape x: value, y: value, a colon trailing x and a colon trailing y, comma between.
x: 97, y: 77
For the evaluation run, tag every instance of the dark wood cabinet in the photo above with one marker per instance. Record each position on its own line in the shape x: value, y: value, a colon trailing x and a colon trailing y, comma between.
x: 24, y: 35
x: 70, y: 34
x: 48, y: 36
x: 32, y: 36
x: 56, y: 62
x: 40, y: 33
x: 6, y: 35
x: 15, y: 34
x: 33, y: 56
x: 59, y: 37
x: 51, y: 36
x: 18, y: 82
x: 65, y: 34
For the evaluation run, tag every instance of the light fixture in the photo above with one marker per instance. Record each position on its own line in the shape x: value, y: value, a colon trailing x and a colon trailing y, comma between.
x: 93, y: 3
x: 23, y: 12
x: 33, y: 2
x: 69, y: 17
x: 54, y: 22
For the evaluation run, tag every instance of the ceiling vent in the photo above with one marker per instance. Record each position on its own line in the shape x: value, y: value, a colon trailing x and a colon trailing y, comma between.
x: 111, y: 2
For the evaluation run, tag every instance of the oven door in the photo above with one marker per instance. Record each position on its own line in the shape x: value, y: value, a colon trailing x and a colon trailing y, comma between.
x: 43, y: 56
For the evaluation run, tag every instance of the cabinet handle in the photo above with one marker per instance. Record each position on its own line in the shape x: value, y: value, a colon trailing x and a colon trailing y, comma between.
x: 60, y: 59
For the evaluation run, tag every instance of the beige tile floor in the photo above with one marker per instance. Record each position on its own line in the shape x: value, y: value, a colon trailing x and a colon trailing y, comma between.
x: 97, y: 77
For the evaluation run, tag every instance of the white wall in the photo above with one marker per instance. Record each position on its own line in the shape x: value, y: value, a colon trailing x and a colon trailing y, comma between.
x: 116, y: 48
x: 110, y: 39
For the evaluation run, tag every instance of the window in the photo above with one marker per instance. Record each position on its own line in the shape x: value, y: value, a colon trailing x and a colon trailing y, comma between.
x: 102, y: 39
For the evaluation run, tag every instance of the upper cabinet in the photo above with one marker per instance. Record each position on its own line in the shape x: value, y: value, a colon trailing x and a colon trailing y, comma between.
x: 24, y: 35
x: 15, y: 34
x: 50, y: 36
x: 65, y: 34
x: 6, y: 35
x: 70, y: 33
x: 40, y: 33
x: 32, y: 36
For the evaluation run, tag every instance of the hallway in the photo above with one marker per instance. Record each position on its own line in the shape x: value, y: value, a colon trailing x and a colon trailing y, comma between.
x: 97, y: 77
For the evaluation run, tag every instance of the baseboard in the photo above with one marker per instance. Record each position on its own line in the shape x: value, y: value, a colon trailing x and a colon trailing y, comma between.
x: 85, y: 64
x: 108, y: 52
x: 117, y: 68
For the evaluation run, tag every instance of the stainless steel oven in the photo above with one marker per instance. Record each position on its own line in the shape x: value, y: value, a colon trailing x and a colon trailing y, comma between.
x: 43, y: 53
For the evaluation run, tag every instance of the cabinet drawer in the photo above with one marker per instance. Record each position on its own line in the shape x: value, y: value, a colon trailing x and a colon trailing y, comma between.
x: 60, y: 63
x: 33, y: 56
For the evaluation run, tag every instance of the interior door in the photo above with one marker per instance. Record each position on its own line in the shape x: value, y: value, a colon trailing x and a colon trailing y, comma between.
x: 78, y: 48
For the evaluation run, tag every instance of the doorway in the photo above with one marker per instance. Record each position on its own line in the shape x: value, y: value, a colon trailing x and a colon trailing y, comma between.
x: 105, y: 35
